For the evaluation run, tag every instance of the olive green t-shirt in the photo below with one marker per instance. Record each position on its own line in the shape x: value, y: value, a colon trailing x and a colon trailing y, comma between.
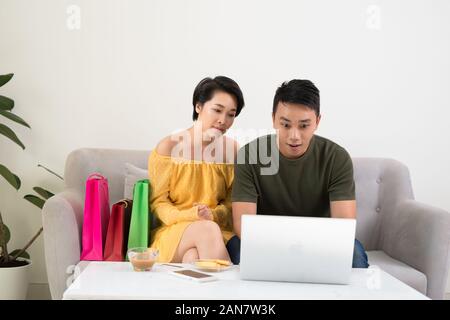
x: 293, y: 187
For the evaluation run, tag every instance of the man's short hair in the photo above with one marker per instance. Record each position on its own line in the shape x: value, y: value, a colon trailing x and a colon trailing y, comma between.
x: 206, y: 88
x: 298, y: 92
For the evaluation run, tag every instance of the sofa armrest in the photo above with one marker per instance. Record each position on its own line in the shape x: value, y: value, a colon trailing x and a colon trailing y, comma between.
x: 62, y: 220
x: 419, y: 235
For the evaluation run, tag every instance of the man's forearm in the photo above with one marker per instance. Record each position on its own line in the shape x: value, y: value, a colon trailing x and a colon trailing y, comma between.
x: 237, y: 228
x: 239, y: 209
x: 343, y: 209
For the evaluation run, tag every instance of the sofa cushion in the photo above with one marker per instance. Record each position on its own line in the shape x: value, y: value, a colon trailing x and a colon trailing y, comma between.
x: 399, y: 270
x: 132, y: 174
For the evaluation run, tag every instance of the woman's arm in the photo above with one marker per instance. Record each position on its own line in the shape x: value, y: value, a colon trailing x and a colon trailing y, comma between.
x: 160, y: 172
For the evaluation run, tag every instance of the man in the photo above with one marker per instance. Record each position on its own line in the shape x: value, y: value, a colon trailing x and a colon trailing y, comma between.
x: 313, y: 176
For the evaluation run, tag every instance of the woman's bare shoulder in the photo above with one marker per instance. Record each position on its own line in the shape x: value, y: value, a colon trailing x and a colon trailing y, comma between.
x: 165, y: 146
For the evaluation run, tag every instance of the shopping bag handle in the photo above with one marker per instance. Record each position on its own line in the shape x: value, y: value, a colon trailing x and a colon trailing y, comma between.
x: 124, y: 201
x: 95, y: 175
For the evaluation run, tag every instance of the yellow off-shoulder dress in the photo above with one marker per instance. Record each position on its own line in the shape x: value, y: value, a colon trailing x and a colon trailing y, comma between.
x: 176, y: 184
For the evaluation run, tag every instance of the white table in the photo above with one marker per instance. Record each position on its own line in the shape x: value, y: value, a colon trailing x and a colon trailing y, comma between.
x: 117, y: 280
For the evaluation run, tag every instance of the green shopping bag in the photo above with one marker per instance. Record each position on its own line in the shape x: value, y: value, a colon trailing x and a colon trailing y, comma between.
x: 140, y: 216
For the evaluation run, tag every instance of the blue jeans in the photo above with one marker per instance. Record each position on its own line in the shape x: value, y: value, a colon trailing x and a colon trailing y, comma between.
x: 359, y: 254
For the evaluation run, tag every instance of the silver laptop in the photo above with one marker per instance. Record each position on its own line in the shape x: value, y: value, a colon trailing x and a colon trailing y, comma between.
x: 297, y: 249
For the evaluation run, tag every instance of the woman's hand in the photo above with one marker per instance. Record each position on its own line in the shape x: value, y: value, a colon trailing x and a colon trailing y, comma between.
x: 204, y: 212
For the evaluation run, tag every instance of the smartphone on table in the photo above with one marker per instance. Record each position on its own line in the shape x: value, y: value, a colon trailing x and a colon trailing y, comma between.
x: 193, y: 275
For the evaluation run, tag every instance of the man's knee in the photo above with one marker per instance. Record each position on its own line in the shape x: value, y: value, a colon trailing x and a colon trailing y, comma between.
x: 234, y: 249
x: 360, y: 259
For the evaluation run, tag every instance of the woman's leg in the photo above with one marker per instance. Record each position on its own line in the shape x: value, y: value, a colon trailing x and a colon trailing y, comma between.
x: 190, y: 256
x: 206, y: 237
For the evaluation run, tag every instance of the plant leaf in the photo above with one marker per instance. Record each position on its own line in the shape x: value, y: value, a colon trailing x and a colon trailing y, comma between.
x: 5, y: 78
x: 14, y: 117
x: 44, y: 193
x: 10, y: 177
x: 6, y: 103
x: 6, y: 233
x: 4, y: 130
x: 23, y: 255
x: 38, y: 202
x: 52, y: 172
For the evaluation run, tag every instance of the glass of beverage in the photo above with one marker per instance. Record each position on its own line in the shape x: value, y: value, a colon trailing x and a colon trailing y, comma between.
x: 142, y: 258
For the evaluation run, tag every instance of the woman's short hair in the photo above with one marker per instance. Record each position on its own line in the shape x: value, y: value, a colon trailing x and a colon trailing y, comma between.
x: 206, y: 88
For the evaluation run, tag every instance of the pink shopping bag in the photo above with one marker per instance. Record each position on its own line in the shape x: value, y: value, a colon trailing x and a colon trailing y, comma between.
x: 96, y: 217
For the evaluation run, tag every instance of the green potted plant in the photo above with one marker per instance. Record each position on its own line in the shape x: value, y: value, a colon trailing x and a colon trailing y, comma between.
x: 15, y: 264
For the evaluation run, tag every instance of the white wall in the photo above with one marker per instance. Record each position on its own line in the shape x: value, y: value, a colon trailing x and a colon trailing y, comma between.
x: 125, y: 78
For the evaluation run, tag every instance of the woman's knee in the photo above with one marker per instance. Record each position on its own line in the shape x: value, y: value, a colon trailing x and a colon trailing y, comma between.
x: 208, y: 229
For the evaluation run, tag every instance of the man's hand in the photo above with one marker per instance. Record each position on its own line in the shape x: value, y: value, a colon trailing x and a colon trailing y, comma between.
x: 204, y: 212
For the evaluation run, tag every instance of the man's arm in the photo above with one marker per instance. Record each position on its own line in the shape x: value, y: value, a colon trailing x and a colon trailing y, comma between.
x: 343, y: 209
x: 240, y: 208
x: 342, y: 187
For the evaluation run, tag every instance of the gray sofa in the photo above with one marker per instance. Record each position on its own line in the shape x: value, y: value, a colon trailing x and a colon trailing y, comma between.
x: 407, y: 239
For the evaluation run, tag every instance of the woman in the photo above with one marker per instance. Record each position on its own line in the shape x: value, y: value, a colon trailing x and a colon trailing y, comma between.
x: 191, y: 174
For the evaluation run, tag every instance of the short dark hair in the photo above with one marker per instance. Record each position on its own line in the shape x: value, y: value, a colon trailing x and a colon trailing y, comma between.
x: 205, y: 89
x: 299, y: 92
